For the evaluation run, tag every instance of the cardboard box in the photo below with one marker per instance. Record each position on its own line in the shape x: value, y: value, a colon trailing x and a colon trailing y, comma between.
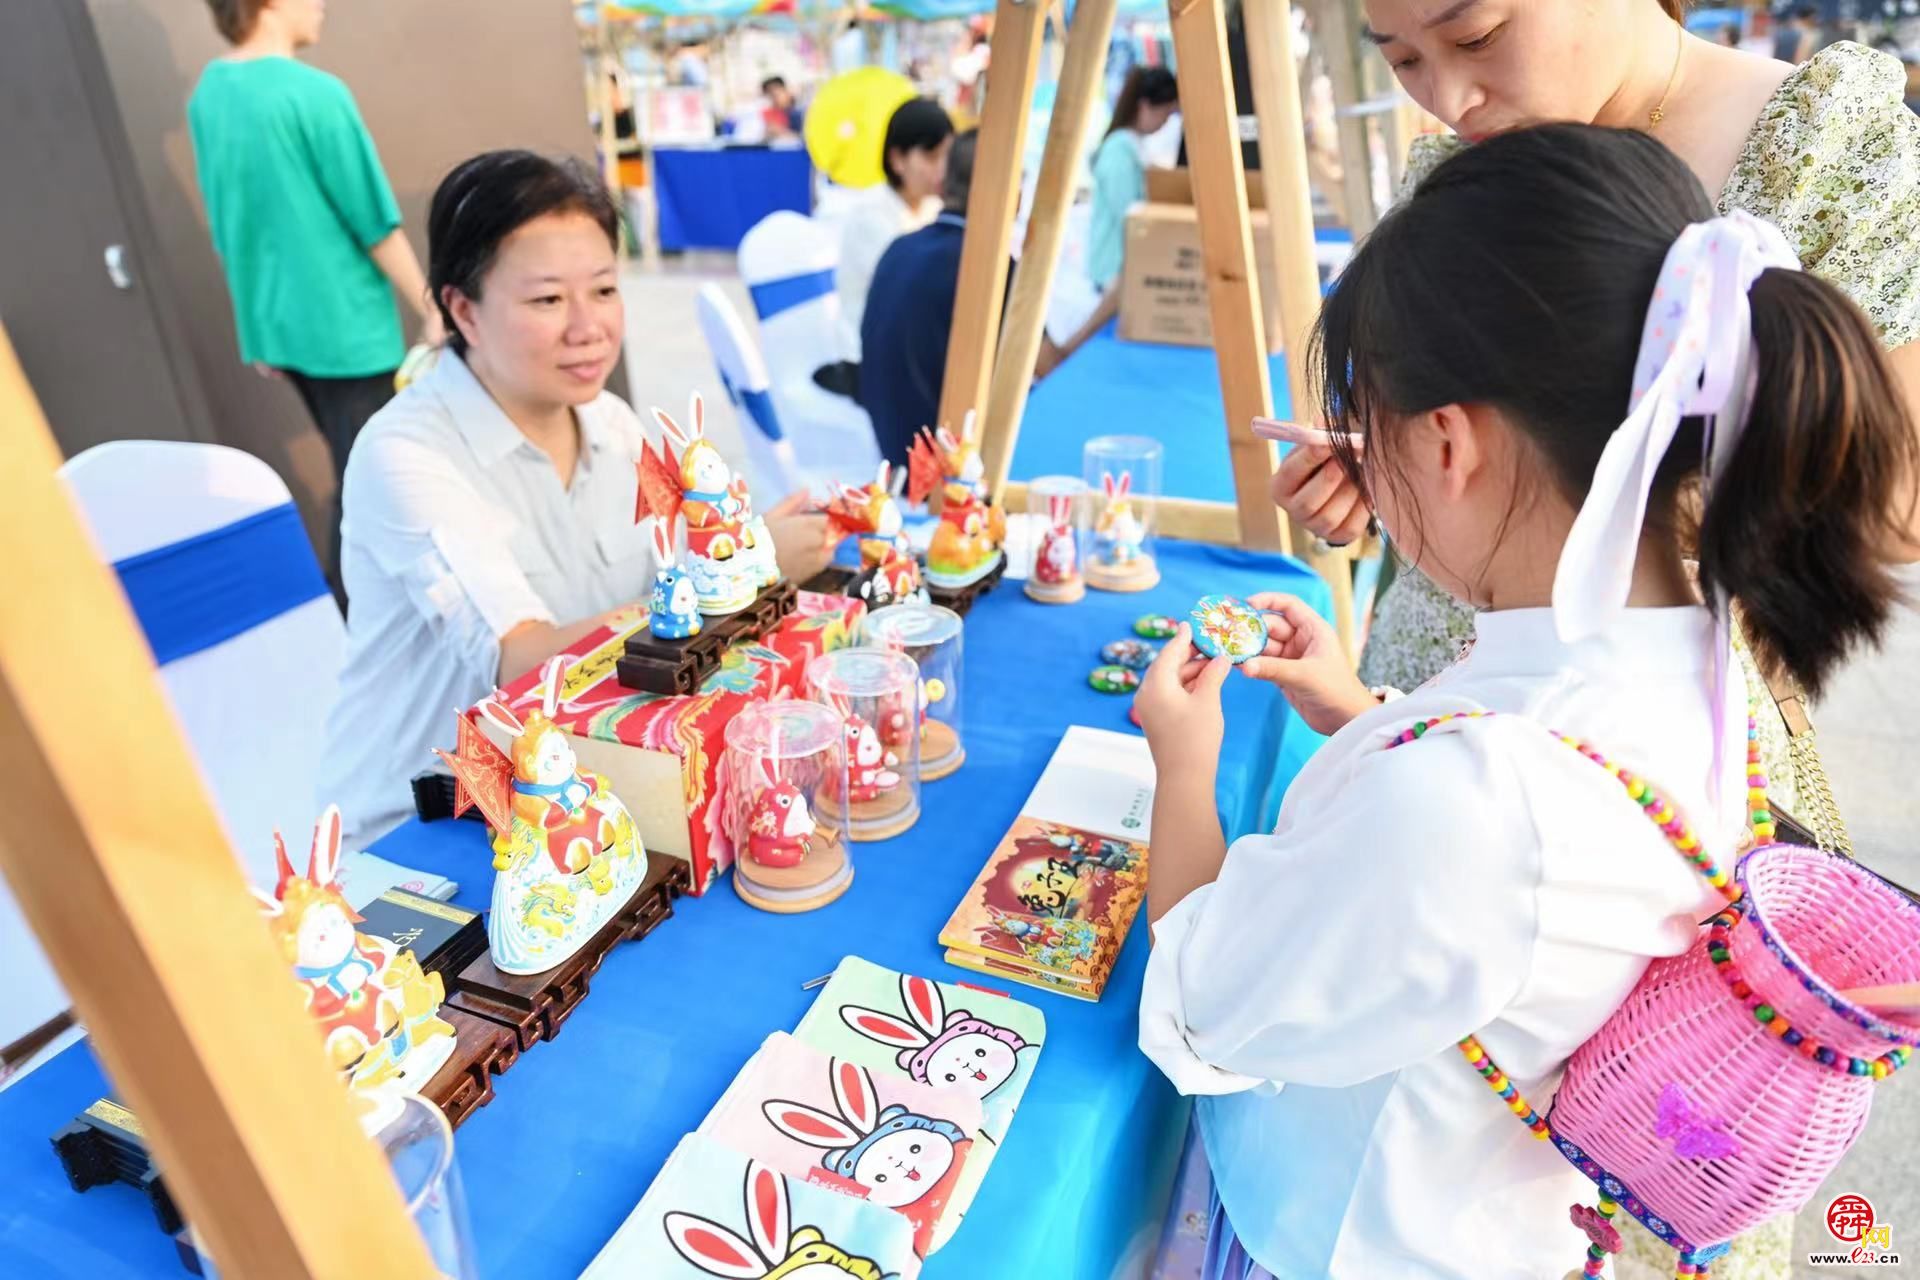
x: 1163, y: 293
x: 1175, y: 186
x: 665, y: 757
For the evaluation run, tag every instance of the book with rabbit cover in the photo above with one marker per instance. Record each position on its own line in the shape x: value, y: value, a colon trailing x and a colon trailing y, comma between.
x: 714, y: 1212
x: 1055, y: 901
x: 885, y: 1140
x: 934, y: 1033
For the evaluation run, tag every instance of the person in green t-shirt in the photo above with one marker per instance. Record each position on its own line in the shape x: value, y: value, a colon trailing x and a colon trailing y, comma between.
x: 303, y: 219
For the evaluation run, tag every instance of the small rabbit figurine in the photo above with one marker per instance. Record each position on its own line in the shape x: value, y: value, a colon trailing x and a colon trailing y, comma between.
x: 378, y: 1011
x: 779, y: 824
x: 1119, y: 533
x: 869, y: 764
x: 776, y: 1249
x: 688, y: 477
x: 966, y: 545
x: 1059, y: 559
x: 674, y: 612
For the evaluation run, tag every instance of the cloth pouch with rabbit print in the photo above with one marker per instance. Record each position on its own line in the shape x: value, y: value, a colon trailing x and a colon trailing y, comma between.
x: 715, y: 1212
x: 830, y: 1121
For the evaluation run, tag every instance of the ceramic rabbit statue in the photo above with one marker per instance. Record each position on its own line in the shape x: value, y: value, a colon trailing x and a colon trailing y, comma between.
x: 1119, y: 534
x: 966, y: 546
x: 689, y: 478
x: 377, y: 1010
x: 1058, y: 561
x: 674, y: 611
x: 779, y: 824
x: 566, y: 856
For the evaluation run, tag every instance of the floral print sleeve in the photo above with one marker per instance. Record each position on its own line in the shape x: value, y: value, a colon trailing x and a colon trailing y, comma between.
x: 1834, y: 162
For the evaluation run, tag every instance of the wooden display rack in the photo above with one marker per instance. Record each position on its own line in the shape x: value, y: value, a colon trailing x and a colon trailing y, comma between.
x: 995, y: 377
x: 654, y: 665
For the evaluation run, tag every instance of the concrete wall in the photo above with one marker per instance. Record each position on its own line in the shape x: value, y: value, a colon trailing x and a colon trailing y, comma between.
x: 437, y: 81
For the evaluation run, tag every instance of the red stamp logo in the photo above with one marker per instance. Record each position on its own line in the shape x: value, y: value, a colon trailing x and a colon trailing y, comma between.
x: 1849, y: 1218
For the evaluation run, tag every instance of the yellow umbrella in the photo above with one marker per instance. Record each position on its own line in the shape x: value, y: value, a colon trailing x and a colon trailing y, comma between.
x: 847, y: 123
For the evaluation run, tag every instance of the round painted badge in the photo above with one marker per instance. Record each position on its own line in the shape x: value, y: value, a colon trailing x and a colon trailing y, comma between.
x: 1137, y: 654
x: 1155, y: 626
x: 1112, y: 679
x: 1223, y: 625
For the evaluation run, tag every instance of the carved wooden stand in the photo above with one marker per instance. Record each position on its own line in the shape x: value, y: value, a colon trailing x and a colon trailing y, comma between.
x: 653, y: 665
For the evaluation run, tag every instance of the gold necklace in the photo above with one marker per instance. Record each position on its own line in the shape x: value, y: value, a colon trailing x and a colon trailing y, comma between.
x: 1659, y: 112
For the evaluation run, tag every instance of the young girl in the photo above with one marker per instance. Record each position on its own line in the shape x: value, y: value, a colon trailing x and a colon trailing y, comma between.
x: 1539, y: 346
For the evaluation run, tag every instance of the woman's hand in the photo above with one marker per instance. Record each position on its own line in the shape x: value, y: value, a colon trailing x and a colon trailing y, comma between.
x: 1311, y: 486
x: 803, y: 541
x: 1304, y: 658
x: 1179, y: 707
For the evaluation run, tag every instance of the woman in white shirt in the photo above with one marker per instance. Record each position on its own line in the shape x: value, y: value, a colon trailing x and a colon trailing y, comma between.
x: 914, y: 155
x: 488, y: 510
x: 1484, y: 879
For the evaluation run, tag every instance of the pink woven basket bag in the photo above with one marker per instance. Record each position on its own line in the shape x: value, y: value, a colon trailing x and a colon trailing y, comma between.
x: 1726, y: 1088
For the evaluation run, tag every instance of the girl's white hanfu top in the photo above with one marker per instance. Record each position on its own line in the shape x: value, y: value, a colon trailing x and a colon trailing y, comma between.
x: 1487, y: 881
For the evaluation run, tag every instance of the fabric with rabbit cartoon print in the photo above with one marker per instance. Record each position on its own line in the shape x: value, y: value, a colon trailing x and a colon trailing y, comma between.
x: 902, y: 1145
x: 567, y: 857
x: 715, y: 1212
x: 934, y: 1033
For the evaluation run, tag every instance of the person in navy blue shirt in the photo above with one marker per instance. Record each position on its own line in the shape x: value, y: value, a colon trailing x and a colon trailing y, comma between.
x: 909, y: 316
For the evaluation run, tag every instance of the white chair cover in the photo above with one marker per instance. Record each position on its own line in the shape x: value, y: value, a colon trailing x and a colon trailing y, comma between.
x: 773, y: 469
x: 787, y: 261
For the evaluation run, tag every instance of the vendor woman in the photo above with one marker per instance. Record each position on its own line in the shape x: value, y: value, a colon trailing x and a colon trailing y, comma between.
x: 488, y: 510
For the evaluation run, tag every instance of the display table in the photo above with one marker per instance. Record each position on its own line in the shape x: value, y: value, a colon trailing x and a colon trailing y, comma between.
x: 709, y: 197
x: 580, y: 1126
x: 1113, y: 387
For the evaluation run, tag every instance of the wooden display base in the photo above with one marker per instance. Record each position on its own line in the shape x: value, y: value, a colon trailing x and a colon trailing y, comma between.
x: 960, y: 599
x: 482, y: 1050
x: 1070, y: 592
x: 1139, y: 575
x: 821, y: 877
x: 941, y: 754
x: 653, y: 665
x: 534, y: 1006
x: 881, y: 818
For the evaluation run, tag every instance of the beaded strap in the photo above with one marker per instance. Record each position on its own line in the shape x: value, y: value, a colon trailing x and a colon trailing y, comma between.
x: 1661, y: 811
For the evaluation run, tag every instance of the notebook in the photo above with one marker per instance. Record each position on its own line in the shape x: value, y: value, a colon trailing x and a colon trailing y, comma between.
x: 1055, y: 902
x: 833, y: 1123
x: 715, y: 1212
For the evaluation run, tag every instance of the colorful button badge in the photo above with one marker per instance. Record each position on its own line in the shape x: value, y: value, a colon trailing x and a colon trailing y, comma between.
x: 1223, y: 625
x: 1112, y: 679
x: 1156, y: 626
x: 1137, y: 654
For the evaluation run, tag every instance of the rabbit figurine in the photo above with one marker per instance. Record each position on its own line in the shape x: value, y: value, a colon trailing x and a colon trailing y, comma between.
x: 779, y: 824
x: 1119, y: 534
x: 1059, y: 559
x: 869, y: 764
x: 674, y: 612
x: 378, y: 1010
x: 687, y: 476
x: 775, y: 1249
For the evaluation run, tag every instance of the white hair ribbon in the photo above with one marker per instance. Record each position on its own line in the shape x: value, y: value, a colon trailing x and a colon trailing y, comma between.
x: 1695, y: 360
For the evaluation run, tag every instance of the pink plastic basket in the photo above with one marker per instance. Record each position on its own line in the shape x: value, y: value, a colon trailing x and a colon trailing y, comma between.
x: 1687, y: 1109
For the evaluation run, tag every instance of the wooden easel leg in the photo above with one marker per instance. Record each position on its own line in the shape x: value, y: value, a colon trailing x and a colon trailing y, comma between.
x: 122, y: 869
x: 1081, y: 84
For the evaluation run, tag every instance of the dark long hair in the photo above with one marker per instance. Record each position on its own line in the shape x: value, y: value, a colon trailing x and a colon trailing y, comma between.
x: 485, y: 200
x: 1143, y: 84
x: 1675, y: 9
x: 1518, y: 275
x: 918, y: 124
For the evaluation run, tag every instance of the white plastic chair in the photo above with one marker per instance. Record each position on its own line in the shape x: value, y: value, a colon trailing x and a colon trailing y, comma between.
x: 770, y: 457
x: 787, y: 261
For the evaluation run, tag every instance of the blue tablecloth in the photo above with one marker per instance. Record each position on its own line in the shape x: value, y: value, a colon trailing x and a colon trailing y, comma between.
x: 1111, y: 387
x: 709, y: 197
x: 580, y: 1126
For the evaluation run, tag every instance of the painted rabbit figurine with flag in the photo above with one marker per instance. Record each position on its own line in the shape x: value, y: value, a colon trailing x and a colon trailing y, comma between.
x: 729, y: 551
x: 377, y: 1010
x: 566, y: 856
x: 966, y: 546
x: 1056, y: 562
x: 871, y: 512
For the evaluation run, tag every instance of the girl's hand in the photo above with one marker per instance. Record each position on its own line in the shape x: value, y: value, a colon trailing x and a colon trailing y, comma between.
x: 1311, y: 486
x: 1304, y: 658
x: 1179, y: 706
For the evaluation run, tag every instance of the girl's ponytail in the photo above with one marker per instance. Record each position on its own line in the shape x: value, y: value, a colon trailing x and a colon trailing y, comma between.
x: 1812, y: 510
